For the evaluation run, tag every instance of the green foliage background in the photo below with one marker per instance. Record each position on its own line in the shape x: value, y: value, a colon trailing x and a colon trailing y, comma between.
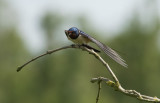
x: 64, y: 77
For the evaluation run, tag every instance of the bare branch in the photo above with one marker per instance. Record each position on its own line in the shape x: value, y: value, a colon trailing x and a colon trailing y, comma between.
x: 132, y: 93
x: 48, y: 52
x: 104, y: 63
x: 116, y: 85
x: 99, y: 89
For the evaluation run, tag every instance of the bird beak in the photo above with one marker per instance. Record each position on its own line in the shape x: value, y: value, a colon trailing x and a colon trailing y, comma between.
x: 66, y: 32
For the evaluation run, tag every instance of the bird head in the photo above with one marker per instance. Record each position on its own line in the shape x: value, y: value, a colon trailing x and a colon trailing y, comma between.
x: 73, y: 33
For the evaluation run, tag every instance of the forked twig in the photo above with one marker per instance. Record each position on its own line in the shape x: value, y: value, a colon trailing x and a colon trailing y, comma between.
x: 116, y: 85
x: 132, y: 93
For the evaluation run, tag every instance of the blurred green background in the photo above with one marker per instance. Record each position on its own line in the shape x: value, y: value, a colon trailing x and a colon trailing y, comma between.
x: 64, y: 77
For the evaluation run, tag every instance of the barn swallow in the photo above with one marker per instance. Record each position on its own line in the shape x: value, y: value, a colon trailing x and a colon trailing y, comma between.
x: 79, y: 37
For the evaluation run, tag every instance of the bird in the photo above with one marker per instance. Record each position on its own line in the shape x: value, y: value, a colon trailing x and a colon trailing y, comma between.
x: 81, y: 38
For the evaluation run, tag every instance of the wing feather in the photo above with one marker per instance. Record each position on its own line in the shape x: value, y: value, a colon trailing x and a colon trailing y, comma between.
x: 110, y: 52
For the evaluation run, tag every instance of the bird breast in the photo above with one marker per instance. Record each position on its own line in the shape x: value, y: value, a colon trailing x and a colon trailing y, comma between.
x: 80, y: 40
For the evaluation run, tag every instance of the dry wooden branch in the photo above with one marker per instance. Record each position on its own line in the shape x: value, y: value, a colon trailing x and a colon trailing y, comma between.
x: 116, y: 85
x: 132, y: 93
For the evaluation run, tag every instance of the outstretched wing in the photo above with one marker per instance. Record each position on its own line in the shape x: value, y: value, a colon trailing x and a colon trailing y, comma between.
x: 110, y: 52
